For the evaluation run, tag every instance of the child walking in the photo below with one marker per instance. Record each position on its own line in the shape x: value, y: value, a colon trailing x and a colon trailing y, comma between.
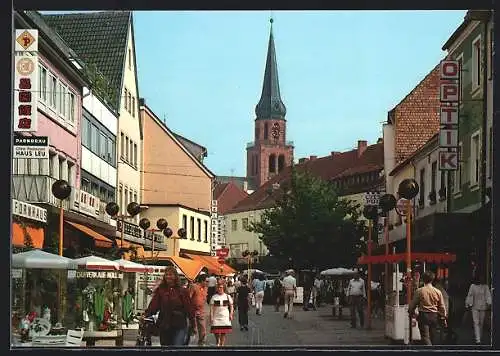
x: 221, y: 313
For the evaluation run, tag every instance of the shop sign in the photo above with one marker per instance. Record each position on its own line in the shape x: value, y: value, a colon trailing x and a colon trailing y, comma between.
x: 71, y: 274
x: 214, y: 226
x: 100, y: 274
x: 17, y: 273
x: 25, y: 92
x: 32, y: 147
x: 29, y: 211
x: 131, y: 232
x: 371, y: 199
x: 449, y: 95
x: 26, y: 40
x: 86, y: 203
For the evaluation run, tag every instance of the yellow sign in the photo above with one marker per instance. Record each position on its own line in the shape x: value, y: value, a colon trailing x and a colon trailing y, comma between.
x: 25, y: 39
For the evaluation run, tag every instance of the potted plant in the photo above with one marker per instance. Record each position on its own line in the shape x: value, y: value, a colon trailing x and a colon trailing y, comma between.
x: 432, y: 197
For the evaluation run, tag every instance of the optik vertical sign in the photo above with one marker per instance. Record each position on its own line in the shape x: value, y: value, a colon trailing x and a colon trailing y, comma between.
x: 449, y: 95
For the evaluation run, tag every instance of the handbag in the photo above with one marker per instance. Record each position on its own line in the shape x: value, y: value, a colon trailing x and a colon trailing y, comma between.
x: 252, y: 299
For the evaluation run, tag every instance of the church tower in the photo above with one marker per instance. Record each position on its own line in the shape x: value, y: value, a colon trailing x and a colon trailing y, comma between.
x: 270, y: 153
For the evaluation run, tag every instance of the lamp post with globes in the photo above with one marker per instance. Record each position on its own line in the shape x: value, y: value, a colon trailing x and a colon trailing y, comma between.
x: 162, y: 226
x: 249, y: 257
x: 181, y: 234
x: 371, y: 213
x: 61, y: 190
x: 407, y: 190
x: 112, y: 209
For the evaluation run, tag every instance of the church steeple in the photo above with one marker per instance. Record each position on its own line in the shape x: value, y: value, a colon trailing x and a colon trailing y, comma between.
x: 270, y: 104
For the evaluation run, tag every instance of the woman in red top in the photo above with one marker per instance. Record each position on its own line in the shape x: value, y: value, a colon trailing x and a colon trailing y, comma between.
x: 175, y: 307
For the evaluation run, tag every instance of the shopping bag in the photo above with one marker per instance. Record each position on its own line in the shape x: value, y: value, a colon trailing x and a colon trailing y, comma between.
x: 467, y: 318
x: 252, y: 299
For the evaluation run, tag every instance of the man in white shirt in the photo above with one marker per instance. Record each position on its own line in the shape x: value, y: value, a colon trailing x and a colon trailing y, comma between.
x: 356, y: 294
x: 315, y: 292
x: 290, y: 290
x: 212, y: 283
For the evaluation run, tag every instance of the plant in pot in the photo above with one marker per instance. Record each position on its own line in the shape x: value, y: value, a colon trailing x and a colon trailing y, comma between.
x: 432, y: 197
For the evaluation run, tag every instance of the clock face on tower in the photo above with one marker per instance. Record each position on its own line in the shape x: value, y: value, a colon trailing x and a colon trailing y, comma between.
x: 276, y: 130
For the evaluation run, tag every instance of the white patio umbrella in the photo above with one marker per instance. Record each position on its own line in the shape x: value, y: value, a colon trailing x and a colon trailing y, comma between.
x: 38, y: 259
x: 94, y: 263
x: 338, y: 272
x: 129, y: 266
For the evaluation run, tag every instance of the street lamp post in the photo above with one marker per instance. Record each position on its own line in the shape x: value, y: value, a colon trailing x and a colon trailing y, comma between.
x: 161, y: 224
x: 407, y: 189
x: 181, y: 234
x: 112, y: 209
x: 387, y: 203
x: 61, y: 190
x: 249, y: 257
x: 371, y: 213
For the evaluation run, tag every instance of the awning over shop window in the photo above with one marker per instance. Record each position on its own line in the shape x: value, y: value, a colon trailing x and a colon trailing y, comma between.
x: 212, y: 264
x: 190, y: 268
x: 401, y: 257
x: 35, y: 233
x: 100, y: 240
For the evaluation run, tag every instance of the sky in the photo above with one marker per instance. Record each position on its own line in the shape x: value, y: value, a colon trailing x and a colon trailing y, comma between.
x: 340, y: 73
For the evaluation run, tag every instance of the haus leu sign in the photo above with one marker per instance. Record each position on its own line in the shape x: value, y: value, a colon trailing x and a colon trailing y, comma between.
x: 449, y: 95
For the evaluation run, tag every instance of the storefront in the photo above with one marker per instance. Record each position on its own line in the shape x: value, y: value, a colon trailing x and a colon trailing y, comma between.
x: 28, y: 225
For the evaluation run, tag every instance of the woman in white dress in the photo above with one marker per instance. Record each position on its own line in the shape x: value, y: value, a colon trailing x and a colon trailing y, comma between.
x: 221, y: 313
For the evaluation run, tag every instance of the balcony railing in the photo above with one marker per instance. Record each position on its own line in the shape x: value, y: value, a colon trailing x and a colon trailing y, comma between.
x: 268, y: 142
x: 36, y: 189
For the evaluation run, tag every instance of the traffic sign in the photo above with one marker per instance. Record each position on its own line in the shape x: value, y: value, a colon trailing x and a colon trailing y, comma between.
x: 222, y: 252
x: 402, y: 206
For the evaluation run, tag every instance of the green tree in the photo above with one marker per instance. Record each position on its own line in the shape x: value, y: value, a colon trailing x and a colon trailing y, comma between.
x: 310, y: 225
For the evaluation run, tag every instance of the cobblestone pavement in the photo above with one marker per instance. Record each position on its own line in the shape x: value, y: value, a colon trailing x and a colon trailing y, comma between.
x: 305, y: 328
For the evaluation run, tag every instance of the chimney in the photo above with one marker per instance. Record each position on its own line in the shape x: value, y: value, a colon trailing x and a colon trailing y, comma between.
x: 142, y: 102
x: 334, y: 153
x: 303, y: 160
x: 380, y: 140
x: 312, y: 158
x: 361, y: 147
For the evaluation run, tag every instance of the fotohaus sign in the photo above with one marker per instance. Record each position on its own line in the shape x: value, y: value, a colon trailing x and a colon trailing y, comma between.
x: 214, y: 223
x: 449, y: 96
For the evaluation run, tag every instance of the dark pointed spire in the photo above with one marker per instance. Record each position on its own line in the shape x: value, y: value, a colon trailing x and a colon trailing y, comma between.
x: 270, y: 103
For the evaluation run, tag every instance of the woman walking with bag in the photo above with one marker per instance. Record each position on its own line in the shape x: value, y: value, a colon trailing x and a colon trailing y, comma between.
x: 221, y: 313
x: 479, y: 301
x: 243, y: 302
x: 175, y: 307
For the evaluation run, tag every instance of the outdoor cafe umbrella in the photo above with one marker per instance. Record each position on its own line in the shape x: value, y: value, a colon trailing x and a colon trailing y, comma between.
x: 38, y: 259
x: 338, y: 272
x: 129, y: 266
x: 94, y: 263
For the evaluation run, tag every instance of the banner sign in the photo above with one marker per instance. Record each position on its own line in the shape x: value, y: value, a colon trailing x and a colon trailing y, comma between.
x: 32, y: 147
x: 449, y: 95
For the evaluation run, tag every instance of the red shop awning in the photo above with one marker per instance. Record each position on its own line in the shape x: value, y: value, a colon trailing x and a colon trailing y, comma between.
x: 401, y: 257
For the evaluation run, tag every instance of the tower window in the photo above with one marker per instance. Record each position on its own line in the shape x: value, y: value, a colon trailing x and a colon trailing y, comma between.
x: 257, y: 133
x: 281, y: 163
x: 266, y: 131
x: 272, y: 163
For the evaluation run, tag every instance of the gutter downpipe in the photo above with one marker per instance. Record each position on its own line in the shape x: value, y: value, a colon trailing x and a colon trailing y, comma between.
x: 484, y: 135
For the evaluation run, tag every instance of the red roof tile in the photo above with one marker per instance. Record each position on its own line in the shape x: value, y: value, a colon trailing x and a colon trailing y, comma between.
x: 227, y: 196
x: 417, y: 116
x: 328, y: 168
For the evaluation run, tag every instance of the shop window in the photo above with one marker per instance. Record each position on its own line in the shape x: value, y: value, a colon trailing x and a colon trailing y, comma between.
x: 191, y: 227
x: 476, y: 63
x: 199, y: 229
